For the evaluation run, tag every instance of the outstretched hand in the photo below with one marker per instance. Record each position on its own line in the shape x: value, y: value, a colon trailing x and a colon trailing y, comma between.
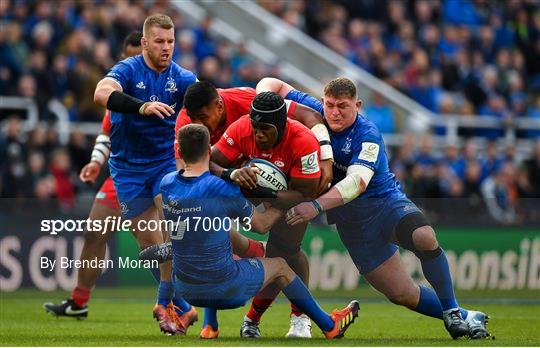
x: 301, y: 213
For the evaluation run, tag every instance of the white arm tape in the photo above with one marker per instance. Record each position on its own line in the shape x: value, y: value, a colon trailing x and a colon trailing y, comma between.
x: 101, y: 150
x: 321, y: 133
x: 355, y: 183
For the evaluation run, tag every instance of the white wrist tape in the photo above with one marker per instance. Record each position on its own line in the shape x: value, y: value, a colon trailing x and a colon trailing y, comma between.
x: 321, y: 133
x: 355, y: 183
x: 102, y: 149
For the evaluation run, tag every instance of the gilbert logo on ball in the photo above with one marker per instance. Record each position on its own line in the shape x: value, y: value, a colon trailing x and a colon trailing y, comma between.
x: 269, y: 175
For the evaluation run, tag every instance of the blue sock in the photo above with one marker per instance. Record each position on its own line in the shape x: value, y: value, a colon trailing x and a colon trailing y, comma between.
x: 437, y: 272
x: 300, y: 296
x: 165, y: 293
x: 181, y: 304
x: 210, y: 318
x: 429, y: 304
x: 156, y: 274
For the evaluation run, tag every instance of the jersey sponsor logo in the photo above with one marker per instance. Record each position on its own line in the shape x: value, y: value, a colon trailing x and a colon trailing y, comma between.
x: 370, y: 152
x: 170, y: 86
x: 266, y: 154
x: 154, y: 98
x: 140, y: 85
x: 310, y: 165
x: 123, y: 207
x: 340, y: 166
x: 279, y: 163
x: 230, y: 140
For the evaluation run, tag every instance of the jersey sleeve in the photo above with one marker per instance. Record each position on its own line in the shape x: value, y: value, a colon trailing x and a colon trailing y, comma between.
x: 369, y: 151
x: 306, y: 162
x: 121, y: 73
x: 305, y: 99
x: 239, y: 206
x: 106, y: 123
x: 182, y: 120
x: 229, y: 143
x: 291, y: 107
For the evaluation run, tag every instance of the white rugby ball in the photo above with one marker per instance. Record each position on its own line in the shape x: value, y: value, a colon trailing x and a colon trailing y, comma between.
x: 269, y: 175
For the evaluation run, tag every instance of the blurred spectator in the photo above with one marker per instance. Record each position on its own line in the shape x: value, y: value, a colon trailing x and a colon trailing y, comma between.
x: 61, y: 171
x: 14, y: 157
x: 492, y: 161
x: 381, y: 114
x: 499, y: 194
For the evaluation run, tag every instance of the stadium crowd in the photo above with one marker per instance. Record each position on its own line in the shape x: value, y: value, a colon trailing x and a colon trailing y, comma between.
x: 452, y: 56
x: 494, y: 181
x: 477, y: 58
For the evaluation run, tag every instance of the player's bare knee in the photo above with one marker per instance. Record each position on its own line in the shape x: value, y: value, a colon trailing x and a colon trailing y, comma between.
x: 285, y: 270
x: 424, y: 238
x: 414, y: 233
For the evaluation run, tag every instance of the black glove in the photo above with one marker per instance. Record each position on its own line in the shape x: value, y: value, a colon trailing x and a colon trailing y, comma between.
x: 226, y: 174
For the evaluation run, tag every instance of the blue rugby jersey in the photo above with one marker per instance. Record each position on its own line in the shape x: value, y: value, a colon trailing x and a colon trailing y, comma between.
x: 360, y: 144
x: 202, y: 251
x: 137, y: 139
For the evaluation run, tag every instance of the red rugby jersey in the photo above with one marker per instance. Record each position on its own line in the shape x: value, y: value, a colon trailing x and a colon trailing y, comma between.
x: 297, y: 155
x: 237, y: 102
x: 106, y: 123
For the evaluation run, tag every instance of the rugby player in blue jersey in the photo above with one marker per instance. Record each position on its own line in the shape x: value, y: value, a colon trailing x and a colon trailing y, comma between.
x: 144, y: 94
x: 372, y: 214
x: 204, y: 208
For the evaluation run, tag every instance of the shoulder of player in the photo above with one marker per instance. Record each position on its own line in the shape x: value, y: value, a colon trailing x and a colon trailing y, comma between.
x: 299, y: 133
x: 366, y: 130
x: 168, y: 179
x: 179, y: 72
x: 240, y: 128
x: 236, y: 91
x: 220, y: 187
x: 182, y: 119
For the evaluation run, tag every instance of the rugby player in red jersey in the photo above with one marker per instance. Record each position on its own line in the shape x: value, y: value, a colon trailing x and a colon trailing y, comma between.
x: 268, y: 134
x: 218, y: 108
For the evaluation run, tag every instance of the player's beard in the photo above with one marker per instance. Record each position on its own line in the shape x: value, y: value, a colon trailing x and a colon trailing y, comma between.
x: 157, y: 61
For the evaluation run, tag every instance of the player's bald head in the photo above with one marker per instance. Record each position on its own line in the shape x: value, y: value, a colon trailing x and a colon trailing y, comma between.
x: 341, y: 87
x: 193, y: 142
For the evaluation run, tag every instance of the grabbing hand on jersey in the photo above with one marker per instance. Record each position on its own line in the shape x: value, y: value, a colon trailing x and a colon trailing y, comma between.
x: 301, y: 213
x: 327, y: 175
x: 158, y: 109
x: 90, y: 172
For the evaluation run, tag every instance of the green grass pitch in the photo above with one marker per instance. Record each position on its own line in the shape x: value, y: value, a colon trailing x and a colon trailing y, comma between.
x: 122, y: 317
